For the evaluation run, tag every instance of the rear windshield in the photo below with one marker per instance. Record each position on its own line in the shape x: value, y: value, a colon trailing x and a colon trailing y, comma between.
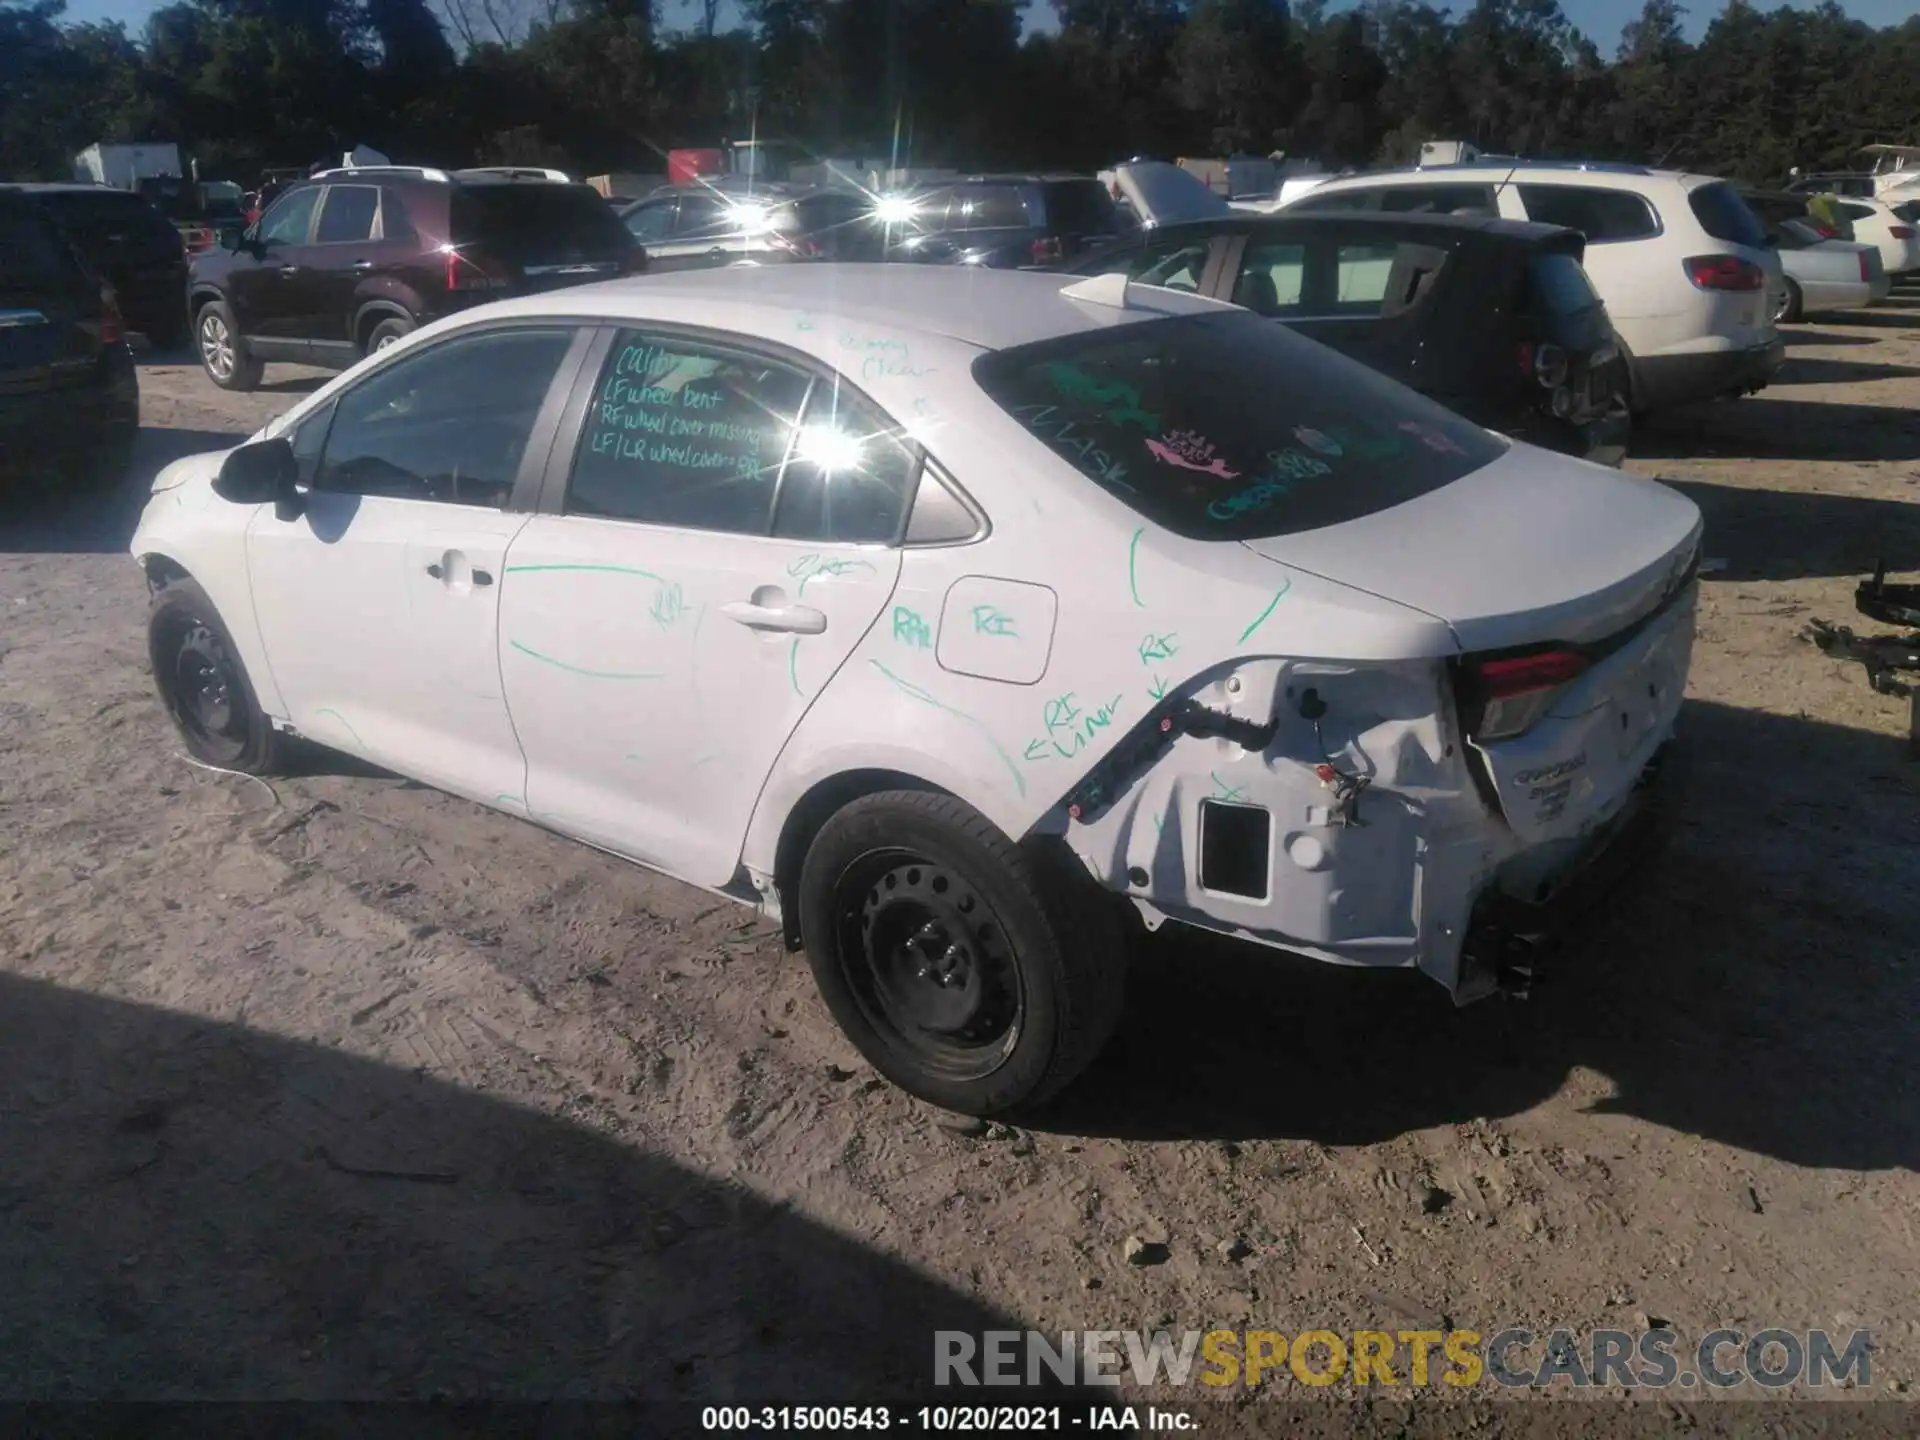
x: 31, y: 252
x: 1725, y: 216
x: 95, y: 216
x: 1559, y: 285
x: 537, y: 217
x: 1229, y: 427
x: 980, y: 207
x: 1079, y: 207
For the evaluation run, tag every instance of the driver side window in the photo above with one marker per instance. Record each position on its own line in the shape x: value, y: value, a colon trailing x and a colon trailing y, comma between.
x: 449, y: 424
x: 290, y: 218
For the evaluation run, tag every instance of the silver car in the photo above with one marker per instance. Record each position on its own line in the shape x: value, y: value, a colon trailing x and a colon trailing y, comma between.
x: 1825, y: 274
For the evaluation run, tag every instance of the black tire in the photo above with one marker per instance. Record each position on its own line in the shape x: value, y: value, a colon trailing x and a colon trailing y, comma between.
x: 388, y: 331
x: 1001, y: 968
x: 1790, y: 307
x: 223, y: 351
x: 197, y: 670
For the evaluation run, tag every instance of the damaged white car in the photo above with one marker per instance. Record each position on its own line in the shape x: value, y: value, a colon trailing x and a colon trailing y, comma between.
x: 931, y: 609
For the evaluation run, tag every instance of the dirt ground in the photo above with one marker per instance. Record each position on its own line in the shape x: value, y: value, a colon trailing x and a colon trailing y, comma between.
x: 342, y: 1088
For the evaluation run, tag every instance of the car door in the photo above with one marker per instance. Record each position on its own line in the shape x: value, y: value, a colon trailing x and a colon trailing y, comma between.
x: 346, y: 252
x: 708, y: 231
x: 266, y: 291
x: 717, y: 534
x: 378, y: 604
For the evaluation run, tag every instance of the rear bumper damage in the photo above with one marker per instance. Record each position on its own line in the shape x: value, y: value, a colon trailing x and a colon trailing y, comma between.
x: 1510, y: 937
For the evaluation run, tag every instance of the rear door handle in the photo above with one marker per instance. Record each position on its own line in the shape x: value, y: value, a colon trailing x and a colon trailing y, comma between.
x: 483, y: 577
x: 289, y: 269
x: 361, y: 267
x: 791, y: 619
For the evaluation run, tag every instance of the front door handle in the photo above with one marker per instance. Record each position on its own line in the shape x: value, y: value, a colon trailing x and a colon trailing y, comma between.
x: 435, y: 571
x: 483, y: 577
x: 790, y: 619
x: 289, y: 269
x: 360, y: 267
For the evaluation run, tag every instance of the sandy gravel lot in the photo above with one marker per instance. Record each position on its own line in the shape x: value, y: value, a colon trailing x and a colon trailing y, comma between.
x: 343, y: 1088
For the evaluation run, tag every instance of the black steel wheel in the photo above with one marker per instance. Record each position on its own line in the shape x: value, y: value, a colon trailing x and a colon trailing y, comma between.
x: 197, y: 670
x: 970, y: 971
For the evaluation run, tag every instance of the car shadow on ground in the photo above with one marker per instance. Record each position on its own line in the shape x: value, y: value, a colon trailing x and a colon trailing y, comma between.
x: 196, y: 1210
x: 1795, y: 335
x: 1794, y: 534
x: 1889, y: 315
x: 1741, y: 989
x: 1805, y: 370
x: 1773, y: 427
x: 100, y: 519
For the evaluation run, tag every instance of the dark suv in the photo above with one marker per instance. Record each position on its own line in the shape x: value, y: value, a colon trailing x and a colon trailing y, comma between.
x: 1002, y: 220
x: 131, y: 245
x: 69, y: 399
x: 348, y: 261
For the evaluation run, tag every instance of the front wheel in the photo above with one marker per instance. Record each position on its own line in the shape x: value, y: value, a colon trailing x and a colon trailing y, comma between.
x: 197, y: 670
x: 223, y: 353
x: 974, y: 973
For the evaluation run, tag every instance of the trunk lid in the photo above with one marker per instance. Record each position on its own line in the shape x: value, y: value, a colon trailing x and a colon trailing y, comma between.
x: 1534, y: 547
x: 1163, y: 194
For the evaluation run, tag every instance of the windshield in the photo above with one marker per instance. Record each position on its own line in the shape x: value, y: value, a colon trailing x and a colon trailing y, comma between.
x: 1229, y: 427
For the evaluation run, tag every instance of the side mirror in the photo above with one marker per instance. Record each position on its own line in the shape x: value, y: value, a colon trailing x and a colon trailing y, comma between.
x: 232, y: 237
x: 264, y: 472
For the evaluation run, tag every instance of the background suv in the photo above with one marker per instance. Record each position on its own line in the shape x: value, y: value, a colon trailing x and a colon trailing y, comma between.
x: 1002, y: 220
x: 129, y: 244
x: 69, y: 400
x: 685, y: 227
x: 348, y: 261
x: 1683, y: 265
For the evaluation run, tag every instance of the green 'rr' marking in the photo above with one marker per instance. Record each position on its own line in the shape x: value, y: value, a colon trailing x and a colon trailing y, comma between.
x: 1261, y: 618
x: 344, y: 723
x: 529, y: 651
x: 908, y: 688
x: 1224, y: 791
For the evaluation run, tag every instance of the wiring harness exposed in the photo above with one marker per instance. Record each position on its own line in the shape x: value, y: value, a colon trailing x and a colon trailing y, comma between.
x: 1346, y: 785
x: 1884, y: 657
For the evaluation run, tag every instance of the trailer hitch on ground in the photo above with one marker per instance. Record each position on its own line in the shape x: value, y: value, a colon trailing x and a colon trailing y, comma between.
x: 1884, y: 657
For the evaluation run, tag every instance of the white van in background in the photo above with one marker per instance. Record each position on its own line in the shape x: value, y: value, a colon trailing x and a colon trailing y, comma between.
x: 1689, y: 281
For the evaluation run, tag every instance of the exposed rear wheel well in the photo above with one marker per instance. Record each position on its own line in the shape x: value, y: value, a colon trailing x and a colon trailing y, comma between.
x: 805, y: 820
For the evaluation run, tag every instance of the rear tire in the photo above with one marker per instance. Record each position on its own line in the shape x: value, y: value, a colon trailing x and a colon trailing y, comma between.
x: 388, y: 332
x: 1790, y: 306
x: 976, y: 974
x: 197, y: 670
x: 223, y: 353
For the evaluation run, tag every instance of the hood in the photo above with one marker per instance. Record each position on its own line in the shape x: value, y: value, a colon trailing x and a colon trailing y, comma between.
x: 1163, y: 194
x: 1535, y: 547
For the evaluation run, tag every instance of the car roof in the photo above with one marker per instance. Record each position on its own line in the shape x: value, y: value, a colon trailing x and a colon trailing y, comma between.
x: 986, y: 308
x: 1462, y: 224
x: 1603, y: 173
x: 67, y: 187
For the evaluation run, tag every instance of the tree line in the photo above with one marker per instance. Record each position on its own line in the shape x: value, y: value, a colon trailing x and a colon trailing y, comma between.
x: 607, y: 85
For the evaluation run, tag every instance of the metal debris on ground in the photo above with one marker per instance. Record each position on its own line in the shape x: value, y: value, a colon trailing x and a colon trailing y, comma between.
x: 1881, y: 655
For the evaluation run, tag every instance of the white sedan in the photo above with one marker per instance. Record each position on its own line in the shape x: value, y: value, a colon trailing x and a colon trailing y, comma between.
x: 929, y: 609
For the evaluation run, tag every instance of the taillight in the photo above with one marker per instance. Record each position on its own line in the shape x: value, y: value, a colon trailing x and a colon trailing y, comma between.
x: 1827, y: 232
x: 1048, y: 249
x: 113, y: 325
x: 1865, y: 272
x: 469, y: 272
x: 1507, y: 695
x: 1724, y: 272
x: 1902, y: 232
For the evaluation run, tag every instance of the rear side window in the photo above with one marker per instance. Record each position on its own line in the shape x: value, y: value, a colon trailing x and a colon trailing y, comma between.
x: 1909, y: 212
x: 348, y: 214
x: 1600, y: 215
x: 978, y: 207
x: 1855, y: 212
x: 1079, y: 207
x: 109, y: 217
x: 1228, y: 427
x: 536, y: 217
x: 31, y: 250
x: 1725, y: 216
x: 1557, y: 284
x: 1438, y: 199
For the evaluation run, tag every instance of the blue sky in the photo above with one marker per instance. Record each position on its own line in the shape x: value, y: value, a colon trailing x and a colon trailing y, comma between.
x: 1601, y: 19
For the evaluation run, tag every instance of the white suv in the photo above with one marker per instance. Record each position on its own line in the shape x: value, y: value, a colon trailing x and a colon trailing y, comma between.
x: 1681, y: 262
